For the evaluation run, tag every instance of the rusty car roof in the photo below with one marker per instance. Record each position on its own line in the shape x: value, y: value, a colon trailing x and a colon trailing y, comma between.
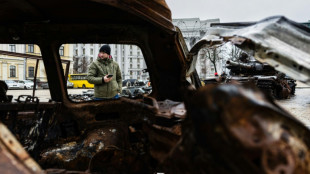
x: 156, y: 11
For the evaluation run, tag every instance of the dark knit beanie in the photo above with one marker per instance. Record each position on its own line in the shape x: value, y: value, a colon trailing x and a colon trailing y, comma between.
x: 105, y: 49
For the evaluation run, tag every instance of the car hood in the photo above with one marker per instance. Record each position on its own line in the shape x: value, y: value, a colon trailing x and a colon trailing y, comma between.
x: 278, y: 41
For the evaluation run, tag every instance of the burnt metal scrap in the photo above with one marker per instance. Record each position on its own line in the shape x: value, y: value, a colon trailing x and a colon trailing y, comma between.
x: 235, y: 129
x: 13, y: 157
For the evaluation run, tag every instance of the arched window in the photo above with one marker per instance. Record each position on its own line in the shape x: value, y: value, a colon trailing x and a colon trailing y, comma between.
x: 12, y: 71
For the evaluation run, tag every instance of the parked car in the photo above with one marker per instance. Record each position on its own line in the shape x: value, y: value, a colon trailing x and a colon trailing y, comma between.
x: 19, y: 84
x: 69, y: 84
x: 13, y: 84
x: 44, y: 85
x: 27, y: 84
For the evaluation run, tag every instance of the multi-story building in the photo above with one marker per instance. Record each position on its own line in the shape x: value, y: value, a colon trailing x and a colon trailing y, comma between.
x: 12, y: 68
x: 193, y: 29
x: 129, y: 58
x: 18, y: 68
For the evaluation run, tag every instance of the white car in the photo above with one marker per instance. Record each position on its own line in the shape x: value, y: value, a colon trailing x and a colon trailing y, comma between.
x: 27, y: 84
x: 12, y: 84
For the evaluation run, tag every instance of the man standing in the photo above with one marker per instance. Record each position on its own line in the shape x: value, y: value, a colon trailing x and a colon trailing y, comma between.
x: 106, y: 75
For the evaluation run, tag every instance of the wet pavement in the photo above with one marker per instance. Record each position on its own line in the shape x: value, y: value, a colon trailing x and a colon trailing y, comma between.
x: 298, y: 105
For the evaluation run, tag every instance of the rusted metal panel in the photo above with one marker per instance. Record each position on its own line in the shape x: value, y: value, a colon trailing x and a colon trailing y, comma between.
x: 235, y: 129
x: 13, y: 157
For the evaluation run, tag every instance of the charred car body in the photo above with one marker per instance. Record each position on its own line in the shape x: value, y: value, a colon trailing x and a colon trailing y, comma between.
x: 189, y: 133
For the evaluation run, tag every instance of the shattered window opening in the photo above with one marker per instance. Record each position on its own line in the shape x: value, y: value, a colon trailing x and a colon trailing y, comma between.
x: 80, y: 90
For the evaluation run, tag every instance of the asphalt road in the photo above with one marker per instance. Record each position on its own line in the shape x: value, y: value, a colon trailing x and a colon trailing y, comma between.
x: 298, y: 105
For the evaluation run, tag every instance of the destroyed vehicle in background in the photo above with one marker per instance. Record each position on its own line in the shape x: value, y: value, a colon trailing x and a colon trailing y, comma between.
x: 85, y: 96
x: 129, y: 82
x: 178, y: 128
x: 263, y: 76
x: 133, y: 92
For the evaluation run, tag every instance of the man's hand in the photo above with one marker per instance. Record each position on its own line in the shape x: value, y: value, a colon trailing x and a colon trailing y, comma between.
x: 106, y: 79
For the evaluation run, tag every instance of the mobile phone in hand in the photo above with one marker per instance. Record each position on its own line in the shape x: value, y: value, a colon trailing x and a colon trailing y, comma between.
x: 110, y: 75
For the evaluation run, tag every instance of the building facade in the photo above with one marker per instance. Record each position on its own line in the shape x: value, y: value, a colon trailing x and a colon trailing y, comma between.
x: 193, y: 29
x: 18, y: 68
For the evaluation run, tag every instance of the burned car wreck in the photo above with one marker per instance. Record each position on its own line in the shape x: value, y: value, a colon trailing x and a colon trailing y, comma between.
x: 179, y: 127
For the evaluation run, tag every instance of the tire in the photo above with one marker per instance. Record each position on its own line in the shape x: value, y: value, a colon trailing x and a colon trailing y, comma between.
x: 83, y: 86
x: 25, y: 87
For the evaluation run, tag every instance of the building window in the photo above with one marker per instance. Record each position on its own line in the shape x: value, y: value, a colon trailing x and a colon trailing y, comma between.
x: 130, y: 59
x: 12, y: 48
x: 130, y: 65
x: 138, y: 53
x: 76, y: 52
x: 138, y: 66
x: 12, y: 71
x: 61, y: 50
x: 130, y: 72
x: 30, y: 48
x: 91, y: 51
x: 91, y: 59
x: 138, y: 60
x: 84, y: 51
x: 31, y: 71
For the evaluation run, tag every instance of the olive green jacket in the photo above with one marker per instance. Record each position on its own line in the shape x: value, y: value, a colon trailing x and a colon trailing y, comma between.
x: 100, y: 68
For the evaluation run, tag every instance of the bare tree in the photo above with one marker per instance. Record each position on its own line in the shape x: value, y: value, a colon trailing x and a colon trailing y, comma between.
x: 213, y: 54
x: 80, y: 65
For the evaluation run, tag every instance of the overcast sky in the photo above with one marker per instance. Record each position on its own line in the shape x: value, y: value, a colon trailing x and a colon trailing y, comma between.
x: 240, y: 10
